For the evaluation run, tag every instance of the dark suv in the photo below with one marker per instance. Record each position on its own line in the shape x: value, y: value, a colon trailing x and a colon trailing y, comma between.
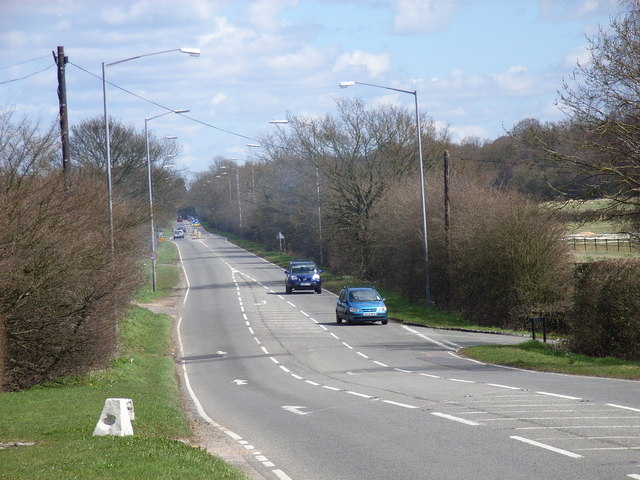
x: 302, y: 275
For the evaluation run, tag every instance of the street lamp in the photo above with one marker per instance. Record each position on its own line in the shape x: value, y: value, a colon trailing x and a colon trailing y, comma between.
x: 153, y: 228
x: 281, y: 122
x: 193, y: 52
x: 422, y: 193
x: 238, y: 192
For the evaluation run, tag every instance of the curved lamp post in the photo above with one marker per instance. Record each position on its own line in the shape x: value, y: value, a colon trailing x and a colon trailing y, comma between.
x: 422, y: 193
x: 153, y: 228
x: 238, y: 192
x: 193, y: 52
x: 284, y: 122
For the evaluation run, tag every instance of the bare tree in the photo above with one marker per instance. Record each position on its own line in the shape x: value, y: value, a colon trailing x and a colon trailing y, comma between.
x: 129, y: 166
x: 354, y: 157
x: 600, y: 139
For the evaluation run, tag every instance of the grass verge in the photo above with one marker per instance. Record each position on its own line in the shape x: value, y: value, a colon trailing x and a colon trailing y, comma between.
x: 59, y: 418
x: 533, y: 355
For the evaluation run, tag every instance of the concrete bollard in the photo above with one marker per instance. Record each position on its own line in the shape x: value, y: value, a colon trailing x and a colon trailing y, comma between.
x: 116, y: 418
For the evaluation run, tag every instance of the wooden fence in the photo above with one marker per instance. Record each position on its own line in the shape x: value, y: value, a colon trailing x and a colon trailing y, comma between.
x: 620, y: 242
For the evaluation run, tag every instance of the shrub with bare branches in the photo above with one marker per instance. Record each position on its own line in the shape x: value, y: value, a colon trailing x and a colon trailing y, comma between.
x: 606, y: 316
x: 62, y: 290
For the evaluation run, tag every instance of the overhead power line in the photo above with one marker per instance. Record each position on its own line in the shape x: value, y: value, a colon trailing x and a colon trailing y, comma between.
x: 27, y: 76
x: 22, y: 63
x: 201, y: 122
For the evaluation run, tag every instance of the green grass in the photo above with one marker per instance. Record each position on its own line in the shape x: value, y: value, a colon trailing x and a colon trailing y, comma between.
x: 167, y: 275
x: 534, y: 355
x: 60, y: 417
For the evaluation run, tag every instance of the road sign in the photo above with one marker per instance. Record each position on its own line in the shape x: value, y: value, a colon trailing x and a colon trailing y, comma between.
x: 153, y: 256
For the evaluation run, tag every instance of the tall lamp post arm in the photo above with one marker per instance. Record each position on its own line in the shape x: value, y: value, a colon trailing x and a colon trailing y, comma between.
x: 153, y: 228
x: 422, y: 190
x: 423, y: 201
x: 108, y: 153
x: 348, y: 84
x: 193, y: 52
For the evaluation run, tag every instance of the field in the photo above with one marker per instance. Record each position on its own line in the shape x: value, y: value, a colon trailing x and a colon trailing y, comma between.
x: 592, y: 236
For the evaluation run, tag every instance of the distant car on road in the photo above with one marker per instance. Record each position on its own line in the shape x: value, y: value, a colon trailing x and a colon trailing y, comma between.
x: 178, y: 233
x: 302, y: 275
x: 180, y: 219
x: 361, y: 304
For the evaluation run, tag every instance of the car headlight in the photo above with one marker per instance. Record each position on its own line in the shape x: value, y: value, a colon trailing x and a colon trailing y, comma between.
x: 354, y: 309
x: 316, y: 277
x: 294, y: 277
x: 382, y: 309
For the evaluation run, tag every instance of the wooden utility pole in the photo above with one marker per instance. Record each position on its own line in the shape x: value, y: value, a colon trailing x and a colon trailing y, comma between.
x: 61, y: 61
x: 446, y: 226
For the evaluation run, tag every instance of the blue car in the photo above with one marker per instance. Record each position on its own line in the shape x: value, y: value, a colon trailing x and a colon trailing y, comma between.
x: 302, y: 275
x: 361, y: 304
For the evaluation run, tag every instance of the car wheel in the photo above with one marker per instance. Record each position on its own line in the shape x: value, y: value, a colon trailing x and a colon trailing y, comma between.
x: 319, y: 290
x: 289, y: 289
x: 384, y: 322
x: 338, y: 319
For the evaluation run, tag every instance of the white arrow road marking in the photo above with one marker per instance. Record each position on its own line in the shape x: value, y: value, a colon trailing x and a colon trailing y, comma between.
x: 239, y: 382
x: 295, y: 409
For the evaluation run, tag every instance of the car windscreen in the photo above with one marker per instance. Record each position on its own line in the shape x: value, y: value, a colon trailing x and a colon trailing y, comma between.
x: 364, y: 296
x: 303, y: 269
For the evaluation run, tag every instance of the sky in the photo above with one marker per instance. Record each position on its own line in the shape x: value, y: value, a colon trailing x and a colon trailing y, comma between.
x: 478, y: 66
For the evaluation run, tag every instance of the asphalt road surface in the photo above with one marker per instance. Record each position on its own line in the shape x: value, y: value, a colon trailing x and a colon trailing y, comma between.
x: 311, y: 399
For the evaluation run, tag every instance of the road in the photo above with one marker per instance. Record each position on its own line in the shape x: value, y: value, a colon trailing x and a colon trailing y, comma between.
x: 311, y: 399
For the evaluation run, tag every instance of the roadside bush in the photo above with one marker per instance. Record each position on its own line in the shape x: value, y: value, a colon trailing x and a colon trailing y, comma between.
x: 397, y: 253
x: 606, y: 314
x: 62, y: 289
x: 503, y: 260
x: 508, y: 258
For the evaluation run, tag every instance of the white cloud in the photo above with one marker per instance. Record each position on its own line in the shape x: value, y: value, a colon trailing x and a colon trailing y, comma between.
x: 515, y: 80
x: 117, y: 15
x: 560, y: 9
x: 304, y: 59
x: 376, y: 64
x: 461, y: 132
x: 579, y: 54
x: 423, y: 16
x: 265, y: 14
x: 218, y: 98
x: 222, y: 28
